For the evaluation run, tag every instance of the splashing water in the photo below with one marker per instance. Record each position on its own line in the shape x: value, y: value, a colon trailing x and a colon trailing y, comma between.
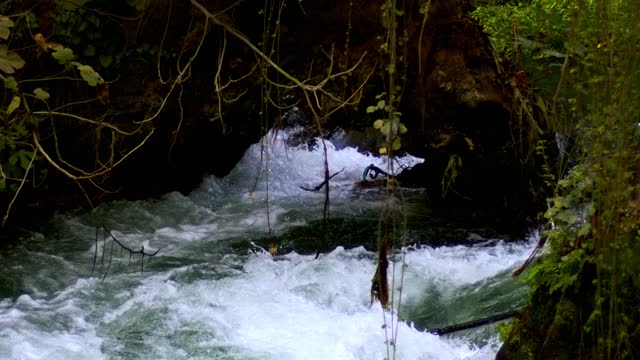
x: 211, y: 293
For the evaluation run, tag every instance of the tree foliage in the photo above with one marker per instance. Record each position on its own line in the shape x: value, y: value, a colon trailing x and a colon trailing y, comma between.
x: 587, y: 282
x: 48, y: 70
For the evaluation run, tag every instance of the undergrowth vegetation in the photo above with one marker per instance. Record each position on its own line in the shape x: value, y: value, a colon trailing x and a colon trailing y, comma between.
x: 57, y: 61
x: 584, y: 290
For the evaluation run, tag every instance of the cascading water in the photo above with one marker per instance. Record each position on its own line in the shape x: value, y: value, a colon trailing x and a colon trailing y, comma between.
x: 212, y: 292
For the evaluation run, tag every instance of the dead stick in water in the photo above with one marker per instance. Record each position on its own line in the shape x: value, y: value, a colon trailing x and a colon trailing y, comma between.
x: 471, y: 324
x: 317, y: 188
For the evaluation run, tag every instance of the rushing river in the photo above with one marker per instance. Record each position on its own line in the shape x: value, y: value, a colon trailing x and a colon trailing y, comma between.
x: 213, y: 291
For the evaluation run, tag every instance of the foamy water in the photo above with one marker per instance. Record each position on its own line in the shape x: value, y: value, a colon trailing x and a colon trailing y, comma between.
x: 203, y: 298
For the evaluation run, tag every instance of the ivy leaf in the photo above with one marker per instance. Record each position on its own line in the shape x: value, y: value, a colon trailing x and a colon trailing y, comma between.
x: 25, y: 159
x: 62, y: 54
x: 41, y: 94
x: 371, y: 109
x: 22, y: 156
x: 378, y: 124
x: 5, y: 24
x: 10, y: 83
x: 9, y: 61
x: 20, y: 129
x: 90, y: 76
x: 13, y: 105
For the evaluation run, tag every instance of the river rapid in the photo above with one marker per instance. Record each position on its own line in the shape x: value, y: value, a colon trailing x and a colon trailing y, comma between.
x: 213, y: 291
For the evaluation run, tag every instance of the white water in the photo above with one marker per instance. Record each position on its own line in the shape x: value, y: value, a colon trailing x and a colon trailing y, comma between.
x: 200, y: 299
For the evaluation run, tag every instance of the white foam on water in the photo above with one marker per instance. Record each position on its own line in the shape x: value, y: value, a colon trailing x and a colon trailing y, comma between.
x: 450, y: 267
x: 290, y: 168
x: 294, y: 307
x: 54, y: 329
x: 288, y: 307
x: 237, y: 204
x: 251, y: 306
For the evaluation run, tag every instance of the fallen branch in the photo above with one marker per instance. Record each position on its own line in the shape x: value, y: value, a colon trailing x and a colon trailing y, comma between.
x: 317, y: 188
x: 540, y: 245
x: 471, y: 324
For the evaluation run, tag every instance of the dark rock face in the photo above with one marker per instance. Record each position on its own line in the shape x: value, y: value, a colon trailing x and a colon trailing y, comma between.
x: 455, y: 105
x: 458, y: 111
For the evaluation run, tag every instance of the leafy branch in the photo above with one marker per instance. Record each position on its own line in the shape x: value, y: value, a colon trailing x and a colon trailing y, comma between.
x: 25, y: 112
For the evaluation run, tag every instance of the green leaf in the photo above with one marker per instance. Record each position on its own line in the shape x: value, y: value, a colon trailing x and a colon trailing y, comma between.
x: 378, y: 123
x: 5, y: 24
x: 13, y: 105
x: 25, y: 159
x: 105, y: 61
x: 13, y: 159
x: 71, y: 4
x: 89, y: 51
x: 541, y: 105
x: 41, y: 94
x: 20, y: 129
x: 568, y: 216
x: 21, y: 155
x: 371, y: 109
x: 529, y: 44
x: 138, y: 4
x: 382, y: 150
x: 553, y: 53
x: 90, y: 76
x: 385, y: 129
x: 62, y: 54
x: 9, y: 61
x: 381, y: 104
x: 10, y: 83
x: 397, y: 144
x: 584, y: 230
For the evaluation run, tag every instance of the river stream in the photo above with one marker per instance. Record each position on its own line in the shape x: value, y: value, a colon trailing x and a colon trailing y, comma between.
x: 213, y: 291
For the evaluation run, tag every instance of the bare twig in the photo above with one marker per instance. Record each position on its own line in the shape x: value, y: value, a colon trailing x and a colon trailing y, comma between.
x: 183, y: 74
x: 90, y: 121
x: 122, y: 246
x: 309, y: 91
x: 15, y: 195
x: 317, y: 188
x: 36, y: 142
